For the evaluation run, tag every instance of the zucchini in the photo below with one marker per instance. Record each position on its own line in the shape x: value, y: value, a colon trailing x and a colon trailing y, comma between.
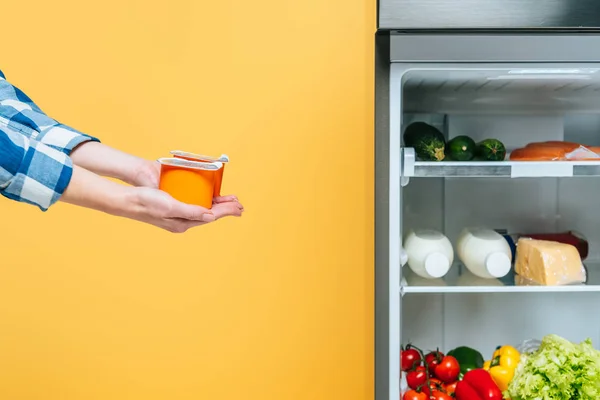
x: 490, y: 150
x: 461, y: 148
x: 428, y: 142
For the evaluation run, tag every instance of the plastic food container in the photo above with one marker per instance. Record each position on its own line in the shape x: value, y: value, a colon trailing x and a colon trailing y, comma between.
x: 484, y: 252
x: 430, y: 253
x: 224, y: 159
x: 190, y: 182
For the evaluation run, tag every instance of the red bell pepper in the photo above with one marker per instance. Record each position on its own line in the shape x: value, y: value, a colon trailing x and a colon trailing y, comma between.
x: 477, y: 384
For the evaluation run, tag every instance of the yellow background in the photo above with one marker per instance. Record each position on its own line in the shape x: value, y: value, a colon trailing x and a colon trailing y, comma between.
x: 276, y: 305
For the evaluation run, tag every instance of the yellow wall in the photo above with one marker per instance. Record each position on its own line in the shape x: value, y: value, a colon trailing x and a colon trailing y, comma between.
x: 276, y: 305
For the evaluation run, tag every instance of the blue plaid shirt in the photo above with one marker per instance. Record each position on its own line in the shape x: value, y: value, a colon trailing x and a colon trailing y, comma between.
x: 35, y: 166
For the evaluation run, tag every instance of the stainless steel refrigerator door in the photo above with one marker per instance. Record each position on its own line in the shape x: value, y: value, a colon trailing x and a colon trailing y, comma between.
x: 489, y: 14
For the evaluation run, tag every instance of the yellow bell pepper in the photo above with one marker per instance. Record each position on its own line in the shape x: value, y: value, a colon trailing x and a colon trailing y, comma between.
x: 502, y: 365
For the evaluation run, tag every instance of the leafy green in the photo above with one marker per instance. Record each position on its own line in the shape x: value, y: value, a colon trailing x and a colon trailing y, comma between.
x: 558, y: 370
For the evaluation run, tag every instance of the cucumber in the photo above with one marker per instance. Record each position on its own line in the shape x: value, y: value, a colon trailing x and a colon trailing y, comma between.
x: 461, y: 148
x: 490, y: 150
x: 428, y: 142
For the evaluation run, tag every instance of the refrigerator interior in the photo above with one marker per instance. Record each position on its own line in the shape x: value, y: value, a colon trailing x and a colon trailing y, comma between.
x: 516, y: 105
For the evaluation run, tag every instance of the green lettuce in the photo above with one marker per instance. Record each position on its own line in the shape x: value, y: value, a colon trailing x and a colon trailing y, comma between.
x: 558, y: 370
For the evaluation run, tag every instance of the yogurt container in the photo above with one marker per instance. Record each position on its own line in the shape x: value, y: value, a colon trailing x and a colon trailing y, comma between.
x: 190, y: 182
x: 223, y: 159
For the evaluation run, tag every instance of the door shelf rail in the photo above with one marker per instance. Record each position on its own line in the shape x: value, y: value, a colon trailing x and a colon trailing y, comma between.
x: 501, y: 169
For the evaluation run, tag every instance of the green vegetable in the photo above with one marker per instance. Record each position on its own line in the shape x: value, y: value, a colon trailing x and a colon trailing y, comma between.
x: 461, y: 148
x: 428, y: 142
x: 467, y: 358
x: 490, y: 150
x: 558, y: 370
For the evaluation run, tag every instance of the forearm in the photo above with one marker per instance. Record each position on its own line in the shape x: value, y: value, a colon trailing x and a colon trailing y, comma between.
x: 106, y: 161
x: 86, y: 189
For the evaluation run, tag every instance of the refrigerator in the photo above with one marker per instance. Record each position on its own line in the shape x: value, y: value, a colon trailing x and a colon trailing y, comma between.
x: 519, y: 72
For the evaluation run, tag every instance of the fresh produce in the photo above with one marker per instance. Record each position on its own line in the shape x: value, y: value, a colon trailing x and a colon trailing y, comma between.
x: 428, y: 142
x: 450, y: 388
x: 467, y: 358
x: 433, y: 359
x: 558, y: 370
x: 461, y: 148
x: 434, y: 384
x: 409, y: 358
x: 437, y: 395
x: 477, y: 384
x: 434, y: 374
x: 417, y: 378
x: 490, y: 150
x: 502, y: 365
x: 448, y: 369
x: 414, y: 395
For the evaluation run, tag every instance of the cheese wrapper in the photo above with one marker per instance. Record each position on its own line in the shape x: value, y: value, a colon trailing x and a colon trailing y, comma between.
x: 548, y: 263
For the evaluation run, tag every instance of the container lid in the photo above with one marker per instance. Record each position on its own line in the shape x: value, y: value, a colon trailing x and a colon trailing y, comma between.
x: 497, y: 264
x: 223, y: 158
x: 437, y: 265
x: 178, y: 162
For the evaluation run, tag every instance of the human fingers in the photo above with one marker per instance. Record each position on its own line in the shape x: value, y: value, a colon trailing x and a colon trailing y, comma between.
x: 229, y: 209
x: 225, y: 199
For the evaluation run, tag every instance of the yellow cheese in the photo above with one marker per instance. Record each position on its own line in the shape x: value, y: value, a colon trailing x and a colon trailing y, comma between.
x: 548, y: 263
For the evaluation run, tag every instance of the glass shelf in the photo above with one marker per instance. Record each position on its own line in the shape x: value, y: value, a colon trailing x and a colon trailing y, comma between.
x: 505, y: 169
x: 460, y: 280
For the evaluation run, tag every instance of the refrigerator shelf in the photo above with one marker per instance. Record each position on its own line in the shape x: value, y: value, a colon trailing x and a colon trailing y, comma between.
x: 500, y: 169
x: 460, y: 280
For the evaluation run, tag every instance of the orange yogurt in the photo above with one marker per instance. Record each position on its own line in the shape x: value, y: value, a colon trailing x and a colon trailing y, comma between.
x: 223, y: 159
x: 190, y: 182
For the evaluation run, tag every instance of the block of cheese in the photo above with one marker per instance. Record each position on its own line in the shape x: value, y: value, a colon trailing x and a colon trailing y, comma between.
x: 549, y: 263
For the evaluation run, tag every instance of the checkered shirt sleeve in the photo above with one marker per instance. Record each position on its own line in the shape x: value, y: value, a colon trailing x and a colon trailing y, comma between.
x: 35, y: 167
x: 20, y: 113
x: 30, y: 171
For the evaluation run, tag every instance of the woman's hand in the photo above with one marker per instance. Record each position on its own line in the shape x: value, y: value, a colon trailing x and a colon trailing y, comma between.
x: 158, y: 208
x: 146, y: 174
x: 106, y: 161
x: 144, y: 204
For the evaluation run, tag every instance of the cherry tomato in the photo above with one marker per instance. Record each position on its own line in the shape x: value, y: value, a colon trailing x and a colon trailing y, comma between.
x: 436, y: 384
x: 448, y: 369
x: 433, y: 359
x: 417, y: 378
x: 414, y: 395
x: 437, y: 395
x: 450, y: 388
x: 409, y: 359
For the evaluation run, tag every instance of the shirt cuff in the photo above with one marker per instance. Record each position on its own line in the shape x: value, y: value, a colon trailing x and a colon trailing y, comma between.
x: 63, y: 138
x: 42, y: 177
